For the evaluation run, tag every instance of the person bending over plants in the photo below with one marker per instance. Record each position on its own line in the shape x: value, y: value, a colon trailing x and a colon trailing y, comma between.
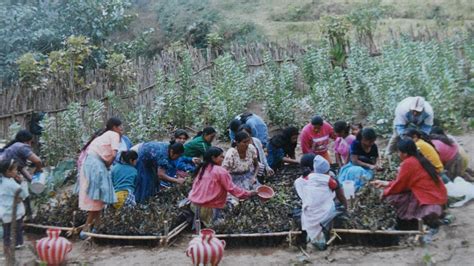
x: 418, y: 191
x: 95, y: 183
x: 211, y: 185
x: 363, y: 161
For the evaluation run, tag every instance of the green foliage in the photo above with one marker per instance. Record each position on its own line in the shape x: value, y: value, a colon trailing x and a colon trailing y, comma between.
x: 70, y: 61
x: 30, y: 71
x: 146, y: 44
x: 13, y: 128
x: 42, y: 27
x: 336, y: 29
x: 64, y: 134
x: 369, y: 87
x: 277, y: 91
x: 229, y: 94
x: 119, y: 67
x: 331, y: 98
x: 189, y: 20
x: 365, y: 17
x: 315, y: 64
x: 51, y: 148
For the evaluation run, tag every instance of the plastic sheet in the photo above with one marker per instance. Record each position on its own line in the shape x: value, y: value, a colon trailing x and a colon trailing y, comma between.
x: 460, y: 188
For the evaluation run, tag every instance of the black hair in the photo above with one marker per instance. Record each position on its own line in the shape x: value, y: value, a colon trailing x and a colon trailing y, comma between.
x: 438, y: 133
x: 437, y: 130
x: 207, y: 160
x: 6, y: 163
x: 290, y: 132
x: 421, y: 135
x: 342, y: 127
x: 128, y: 156
x: 22, y: 136
x: 367, y: 134
x: 306, y: 163
x: 278, y: 141
x: 317, y: 121
x: 112, y: 122
x: 359, y: 125
x: 234, y: 125
x: 177, y: 148
x: 240, y: 136
x: 177, y: 134
x: 289, y: 146
x: 206, y: 131
x: 408, y: 146
x: 246, y: 128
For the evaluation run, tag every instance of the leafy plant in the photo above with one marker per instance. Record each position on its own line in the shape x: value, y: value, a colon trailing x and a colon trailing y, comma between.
x: 43, y: 27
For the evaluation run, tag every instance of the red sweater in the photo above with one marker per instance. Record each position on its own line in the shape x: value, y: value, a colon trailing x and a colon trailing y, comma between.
x: 413, y: 177
x: 211, y: 190
x: 316, y: 142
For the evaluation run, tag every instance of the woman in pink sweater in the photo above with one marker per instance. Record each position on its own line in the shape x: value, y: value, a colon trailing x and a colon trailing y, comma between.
x: 211, y: 186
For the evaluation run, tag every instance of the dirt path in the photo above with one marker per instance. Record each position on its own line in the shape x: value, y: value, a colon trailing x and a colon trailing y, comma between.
x: 453, y: 245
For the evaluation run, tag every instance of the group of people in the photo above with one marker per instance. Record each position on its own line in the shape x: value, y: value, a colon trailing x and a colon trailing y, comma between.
x: 111, y: 171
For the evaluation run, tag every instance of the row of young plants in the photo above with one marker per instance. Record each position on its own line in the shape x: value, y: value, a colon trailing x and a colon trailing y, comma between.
x: 289, y: 92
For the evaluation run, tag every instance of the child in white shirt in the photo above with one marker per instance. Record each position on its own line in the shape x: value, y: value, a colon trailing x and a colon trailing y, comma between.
x: 9, y: 179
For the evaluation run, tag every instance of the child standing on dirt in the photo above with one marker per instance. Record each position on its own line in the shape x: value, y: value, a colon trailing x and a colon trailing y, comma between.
x: 9, y: 179
x: 124, y: 175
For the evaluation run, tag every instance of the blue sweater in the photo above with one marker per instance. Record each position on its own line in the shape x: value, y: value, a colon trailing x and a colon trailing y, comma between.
x: 123, y: 177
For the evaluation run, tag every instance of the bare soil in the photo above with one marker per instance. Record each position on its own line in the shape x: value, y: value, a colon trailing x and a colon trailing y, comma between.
x: 453, y: 245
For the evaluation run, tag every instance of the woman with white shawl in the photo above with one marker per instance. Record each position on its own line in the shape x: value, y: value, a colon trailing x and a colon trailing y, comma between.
x: 317, y: 190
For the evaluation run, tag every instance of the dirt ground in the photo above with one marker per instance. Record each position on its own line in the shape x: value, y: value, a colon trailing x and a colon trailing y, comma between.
x: 453, y: 245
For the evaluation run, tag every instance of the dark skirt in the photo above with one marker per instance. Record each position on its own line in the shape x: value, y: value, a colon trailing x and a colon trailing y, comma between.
x: 408, y: 207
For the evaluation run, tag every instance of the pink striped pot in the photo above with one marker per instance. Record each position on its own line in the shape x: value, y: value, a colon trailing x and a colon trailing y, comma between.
x: 53, y: 248
x: 206, y: 249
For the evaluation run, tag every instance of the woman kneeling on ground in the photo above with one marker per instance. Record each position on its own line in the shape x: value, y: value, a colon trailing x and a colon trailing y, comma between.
x: 241, y: 161
x: 263, y: 168
x: 211, y: 185
x: 428, y: 150
x: 281, y: 148
x: 364, y: 159
x: 418, y: 191
x: 343, y: 142
x: 453, y: 156
x: 124, y: 175
x: 316, y: 189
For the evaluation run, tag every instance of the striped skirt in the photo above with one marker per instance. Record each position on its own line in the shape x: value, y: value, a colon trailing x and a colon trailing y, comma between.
x: 244, y: 180
x: 408, y: 207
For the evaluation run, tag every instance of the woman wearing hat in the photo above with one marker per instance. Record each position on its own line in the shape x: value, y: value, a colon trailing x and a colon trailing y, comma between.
x: 315, y: 137
x: 316, y: 189
x: 412, y: 112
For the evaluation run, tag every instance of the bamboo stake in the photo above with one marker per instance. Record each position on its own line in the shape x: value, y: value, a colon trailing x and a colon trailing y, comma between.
x: 178, y: 231
x: 167, y: 229
x: 382, y: 232
x: 258, y: 234
x: 178, y: 228
x: 51, y: 227
x: 335, y: 235
x: 121, y: 237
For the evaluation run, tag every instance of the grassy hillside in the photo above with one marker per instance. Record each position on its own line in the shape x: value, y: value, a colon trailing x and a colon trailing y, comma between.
x: 299, y: 19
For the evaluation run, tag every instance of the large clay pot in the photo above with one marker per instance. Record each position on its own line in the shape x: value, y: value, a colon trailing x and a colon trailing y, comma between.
x: 206, y: 249
x: 53, y: 248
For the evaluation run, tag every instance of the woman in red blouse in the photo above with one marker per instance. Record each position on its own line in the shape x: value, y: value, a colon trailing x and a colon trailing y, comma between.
x: 418, y: 191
